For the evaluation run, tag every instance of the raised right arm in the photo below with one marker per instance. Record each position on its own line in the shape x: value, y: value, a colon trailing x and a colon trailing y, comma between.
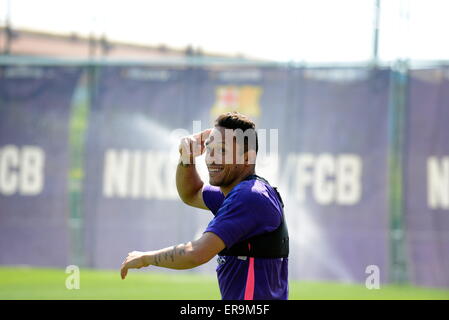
x: 190, y: 186
x: 188, y: 181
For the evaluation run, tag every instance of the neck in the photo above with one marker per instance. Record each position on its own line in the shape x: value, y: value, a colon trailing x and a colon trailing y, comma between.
x: 228, y: 188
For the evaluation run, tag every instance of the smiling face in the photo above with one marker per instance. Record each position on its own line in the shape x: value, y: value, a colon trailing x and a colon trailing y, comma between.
x: 221, y: 158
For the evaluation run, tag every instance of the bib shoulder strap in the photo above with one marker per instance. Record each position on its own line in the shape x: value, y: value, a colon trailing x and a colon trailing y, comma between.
x: 274, y: 244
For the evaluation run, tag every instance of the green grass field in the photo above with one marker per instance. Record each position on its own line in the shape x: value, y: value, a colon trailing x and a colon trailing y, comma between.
x: 36, y: 283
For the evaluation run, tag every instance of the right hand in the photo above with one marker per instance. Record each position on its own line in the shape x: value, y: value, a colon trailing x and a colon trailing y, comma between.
x: 192, y: 146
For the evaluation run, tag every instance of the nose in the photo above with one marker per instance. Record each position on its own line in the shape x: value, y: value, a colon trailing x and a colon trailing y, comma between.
x: 212, y: 159
x: 209, y: 156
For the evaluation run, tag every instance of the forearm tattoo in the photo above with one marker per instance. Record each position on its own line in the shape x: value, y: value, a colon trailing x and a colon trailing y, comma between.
x: 170, y: 255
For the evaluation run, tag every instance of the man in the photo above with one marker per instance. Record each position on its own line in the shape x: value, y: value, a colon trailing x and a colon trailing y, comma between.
x: 248, y: 231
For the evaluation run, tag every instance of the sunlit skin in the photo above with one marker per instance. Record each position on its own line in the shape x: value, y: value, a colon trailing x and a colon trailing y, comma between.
x: 225, y: 171
x: 219, y: 151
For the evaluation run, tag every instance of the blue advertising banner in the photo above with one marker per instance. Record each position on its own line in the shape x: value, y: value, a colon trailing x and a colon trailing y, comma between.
x: 264, y: 95
x: 427, y: 177
x: 34, y: 113
x: 136, y: 120
x: 336, y: 176
x: 130, y: 198
x: 91, y: 157
x: 131, y: 202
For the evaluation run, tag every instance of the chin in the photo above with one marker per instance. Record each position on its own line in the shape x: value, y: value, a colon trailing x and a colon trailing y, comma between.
x: 212, y: 182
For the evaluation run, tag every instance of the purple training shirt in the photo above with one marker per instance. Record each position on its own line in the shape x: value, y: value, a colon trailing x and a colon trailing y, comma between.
x: 251, y: 208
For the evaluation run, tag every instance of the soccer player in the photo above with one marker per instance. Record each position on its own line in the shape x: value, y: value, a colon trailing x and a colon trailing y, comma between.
x: 248, y: 231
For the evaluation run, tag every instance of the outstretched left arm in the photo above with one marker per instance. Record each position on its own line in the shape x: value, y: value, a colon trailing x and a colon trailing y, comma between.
x: 182, y: 256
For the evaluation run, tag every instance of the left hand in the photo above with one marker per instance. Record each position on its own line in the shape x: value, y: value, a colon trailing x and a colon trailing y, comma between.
x: 134, y: 260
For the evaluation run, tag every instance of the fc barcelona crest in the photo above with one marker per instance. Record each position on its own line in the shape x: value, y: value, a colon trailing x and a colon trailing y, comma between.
x: 244, y: 99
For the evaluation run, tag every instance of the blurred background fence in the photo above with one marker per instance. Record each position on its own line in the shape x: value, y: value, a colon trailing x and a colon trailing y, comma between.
x: 87, y: 168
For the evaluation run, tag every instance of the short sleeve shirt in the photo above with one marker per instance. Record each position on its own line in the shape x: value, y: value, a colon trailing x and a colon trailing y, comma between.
x: 251, y: 208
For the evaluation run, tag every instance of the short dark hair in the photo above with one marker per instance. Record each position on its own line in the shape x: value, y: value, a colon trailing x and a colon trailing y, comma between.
x: 235, y: 120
